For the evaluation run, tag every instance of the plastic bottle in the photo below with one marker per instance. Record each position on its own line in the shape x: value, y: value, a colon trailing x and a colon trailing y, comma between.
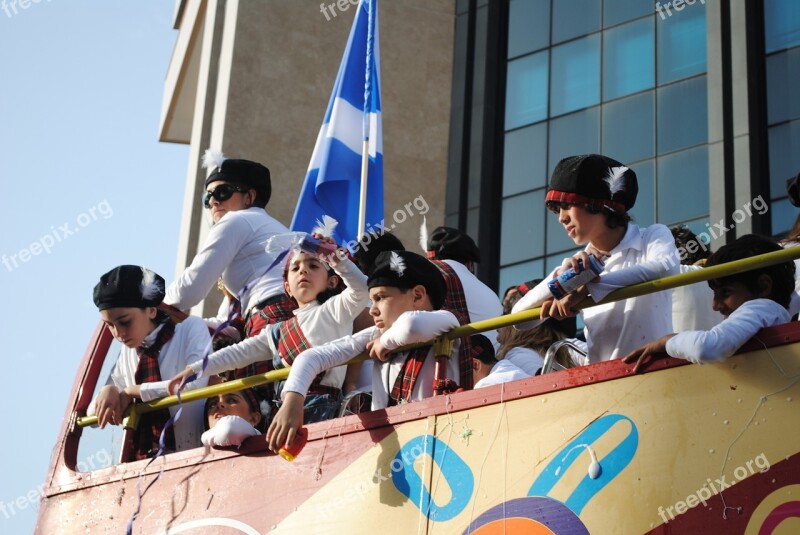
x: 299, y: 442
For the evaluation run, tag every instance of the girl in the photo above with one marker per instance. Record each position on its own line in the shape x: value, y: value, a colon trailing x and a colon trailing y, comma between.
x: 231, y: 418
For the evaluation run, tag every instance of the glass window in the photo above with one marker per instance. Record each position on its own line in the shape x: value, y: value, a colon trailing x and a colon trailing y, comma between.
x: 643, y: 211
x: 473, y: 223
x: 574, y: 18
x: 552, y: 262
x: 578, y: 133
x: 682, y: 115
x: 781, y: 24
x: 784, y: 156
x: 521, y: 236
x: 783, y: 216
x: 682, y: 43
x: 526, y: 90
x: 628, y: 57
x: 525, y: 160
x: 616, y: 11
x: 528, y: 26
x: 519, y: 273
x: 783, y: 82
x: 576, y: 75
x: 678, y: 174
x: 629, y: 128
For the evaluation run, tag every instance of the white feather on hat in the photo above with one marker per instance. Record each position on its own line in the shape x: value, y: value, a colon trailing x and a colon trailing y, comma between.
x: 616, y: 179
x: 149, y: 286
x: 423, y: 234
x: 325, y: 227
x: 213, y: 159
x: 397, y: 264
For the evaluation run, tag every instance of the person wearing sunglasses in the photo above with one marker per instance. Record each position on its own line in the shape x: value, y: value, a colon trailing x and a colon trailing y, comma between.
x: 236, y: 195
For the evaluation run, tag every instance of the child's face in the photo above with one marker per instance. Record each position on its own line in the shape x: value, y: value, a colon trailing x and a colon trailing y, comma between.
x: 306, y: 278
x: 388, y: 303
x: 233, y: 404
x: 729, y: 296
x: 130, y: 325
x: 580, y: 224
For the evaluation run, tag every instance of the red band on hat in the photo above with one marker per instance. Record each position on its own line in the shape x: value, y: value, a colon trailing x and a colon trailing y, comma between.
x: 580, y: 200
x: 431, y: 255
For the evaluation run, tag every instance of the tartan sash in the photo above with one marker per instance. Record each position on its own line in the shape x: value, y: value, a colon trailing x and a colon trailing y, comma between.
x: 407, y: 378
x: 456, y: 302
x: 148, y: 433
x: 292, y: 342
x: 278, y: 309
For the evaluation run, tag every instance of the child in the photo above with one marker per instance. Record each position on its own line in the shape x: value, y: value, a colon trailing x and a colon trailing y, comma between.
x: 155, y: 347
x: 592, y: 195
x: 691, y: 304
x: 320, y: 317
x: 749, y: 301
x: 487, y: 370
x: 231, y: 418
x: 407, y: 292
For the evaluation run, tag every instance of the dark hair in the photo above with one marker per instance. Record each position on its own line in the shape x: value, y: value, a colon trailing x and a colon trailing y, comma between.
x: 794, y: 234
x: 250, y: 398
x: 482, y: 349
x: 371, y: 245
x: 323, y: 295
x: 683, y: 237
x: 782, y: 275
x: 161, y: 317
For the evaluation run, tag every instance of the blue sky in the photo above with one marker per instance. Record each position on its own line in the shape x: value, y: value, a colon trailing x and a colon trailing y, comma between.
x: 85, y: 186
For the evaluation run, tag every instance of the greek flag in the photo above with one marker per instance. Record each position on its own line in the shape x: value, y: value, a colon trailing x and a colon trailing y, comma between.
x: 333, y: 180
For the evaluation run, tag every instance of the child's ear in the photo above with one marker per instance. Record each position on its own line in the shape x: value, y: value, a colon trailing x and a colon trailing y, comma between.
x: 333, y: 282
x: 764, y: 285
x: 255, y: 418
x: 151, y: 312
x: 418, y: 294
x: 286, y: 288
x: 476, y: 364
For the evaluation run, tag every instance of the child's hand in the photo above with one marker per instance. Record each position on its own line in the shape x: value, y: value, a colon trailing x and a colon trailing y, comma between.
x: 332, y: 259
x: 377, y: 351
x: 176, y: 381
x: 583, y: 257
x: 565, y: 307
x: 108, y: 406
x: 287, y: 421
x: 650, y: 352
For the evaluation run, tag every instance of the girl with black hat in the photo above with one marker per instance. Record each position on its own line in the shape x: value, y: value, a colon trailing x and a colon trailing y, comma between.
x: 154, y: 349
x: 591, y: 195
x: 236, y: 196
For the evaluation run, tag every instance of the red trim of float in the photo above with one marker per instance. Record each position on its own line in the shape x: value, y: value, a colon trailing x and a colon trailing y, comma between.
x: 380, y: 423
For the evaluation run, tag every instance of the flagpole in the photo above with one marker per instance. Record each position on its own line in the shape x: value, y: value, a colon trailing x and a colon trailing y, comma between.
x: 362, y: 204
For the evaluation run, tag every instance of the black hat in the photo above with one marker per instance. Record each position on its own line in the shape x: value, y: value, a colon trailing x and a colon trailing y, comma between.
x: 593, y: 181
x: 128, y: 287
x: 793, y: 189
x: 244, y: 172
x: 404, y: 270
x: 371, y: 245
x: 450, y: 243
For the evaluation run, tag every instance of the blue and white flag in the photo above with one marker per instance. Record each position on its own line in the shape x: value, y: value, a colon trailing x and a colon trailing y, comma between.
x: 333, y: 180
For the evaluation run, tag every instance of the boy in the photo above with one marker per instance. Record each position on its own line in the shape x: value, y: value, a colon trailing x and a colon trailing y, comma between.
x: 749, y: 301
x: 592, y: 194
x: 487, y: 370
x: 407, y: 292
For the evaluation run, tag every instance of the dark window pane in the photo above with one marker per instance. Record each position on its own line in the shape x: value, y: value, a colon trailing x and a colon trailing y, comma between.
x: 629, y: 128
x: 682, y: 115
x: 528, y: 26
x: 644, y: 209
x: 781, y: 24
x: 783, y: 216
x: 616, y: 11
x: 519, y: 273
x: 681, y: 43
x: 525, y: 161
x: 526, y: 92
x: 679, y: 174
x: 574, y: 18
x: 628, y: 57
x: 473, y: 223
x: 783, y: 83
x: 576, y: 75
x: 578, y: 133
x: 521, y: 231
x: 784, y: 156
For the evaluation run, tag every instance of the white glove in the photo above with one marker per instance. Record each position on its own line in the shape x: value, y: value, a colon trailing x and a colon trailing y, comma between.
x: 229, y: 431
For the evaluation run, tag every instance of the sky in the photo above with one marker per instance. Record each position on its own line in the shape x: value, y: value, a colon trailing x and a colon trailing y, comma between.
x: 85, y: 186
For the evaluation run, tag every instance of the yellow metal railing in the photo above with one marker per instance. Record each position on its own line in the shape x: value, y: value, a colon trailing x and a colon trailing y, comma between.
x: 666, y: 283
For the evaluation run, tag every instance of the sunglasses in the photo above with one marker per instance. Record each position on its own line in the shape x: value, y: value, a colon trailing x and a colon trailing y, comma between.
x: 222, y: 193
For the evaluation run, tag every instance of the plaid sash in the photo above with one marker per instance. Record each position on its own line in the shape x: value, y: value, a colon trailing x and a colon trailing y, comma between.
x: 291, y: 343
x: 148, y: 433
x: 407, y: 378
x: 456, y: 302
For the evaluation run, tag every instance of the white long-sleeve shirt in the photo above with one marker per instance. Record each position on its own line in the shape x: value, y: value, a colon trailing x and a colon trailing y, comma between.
x: 724, y: 339
x: 691, y: 306
x: 409, y: 328
x: 615, y: 329
x: 189, y: 343
x: 234, y: 250
x: 502, y: 372
x: 320, y: 324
